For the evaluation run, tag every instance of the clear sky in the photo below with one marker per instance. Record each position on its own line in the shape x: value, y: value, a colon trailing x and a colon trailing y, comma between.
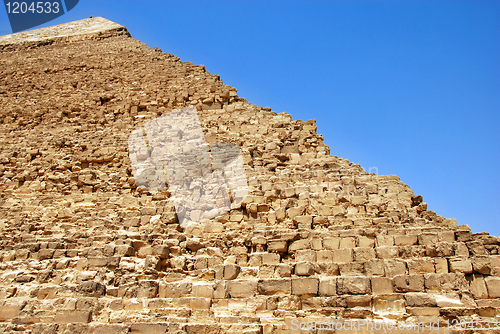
x: 411, y: 88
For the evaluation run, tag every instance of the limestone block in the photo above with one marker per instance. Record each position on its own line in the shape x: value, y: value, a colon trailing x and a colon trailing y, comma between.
x: 446, y: 236
x: 329, y: 269
x: 324, y: 256
x: 304, y: 269
x: 109, y: 262
x: 478, y: 287
x: 393, y: 305
x: 242, y: 288
x: 460, y: 266
x: 366, y: 241
x: 200, y: 303
x: 385, y: 240
x: 283, y: 270
x: 299, y: 245
x: 331, y: 243
x: 481, y: 265
x: 145, y: 328
x: 363, y: 254
x: 408, y: 283
x: 387, y: 252
x: 175, y: 289
x: 306, y: 255
x: 328, y: 286
x: 420, y: 299
x: 124, y: 250
x: 303, y: 220
x: 461, y: 249
x: 428, y: 239
x: 305, y: 287
x: 381, y: 285
x: 405, y: 240
x: 347, y: 242
x: 316, y: 244
x: 270, y: 258
x: 374, y: 267
x: 275, y: 286
x: 353, y: 285
x: 359, y: 301
x: 73, y: 316
x: 10, y: 309
x: 420, y: 266
x: 441, y: 265
x: 277, y: 246
x: 231, y: 271
x: 493, y: 285
x: 351, y: 269
x: 342, y: 255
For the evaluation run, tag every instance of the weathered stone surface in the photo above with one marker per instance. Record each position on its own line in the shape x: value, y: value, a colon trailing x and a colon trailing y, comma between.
x: 86, y: 248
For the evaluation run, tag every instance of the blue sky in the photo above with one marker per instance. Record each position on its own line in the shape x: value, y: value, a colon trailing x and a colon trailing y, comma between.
x: 411, y: 88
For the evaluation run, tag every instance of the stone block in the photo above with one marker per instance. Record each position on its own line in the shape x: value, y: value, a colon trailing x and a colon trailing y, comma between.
x: 306, y: 255
x: 304, y: 269
x: 270, y: 258
x: 420, y: 266
x: 200, y: 303
x: 305, y: 287
x: 283, y: 270
x: 381, y: 285
x: 374, y: 267
x: 408, y: 283
x: 366, y: 242
x: 358, y: 301
x: 353, y: 286
x: 328, y: 287
x: 299, y: 245
x: 446, y: 236
x: 203, y: 290
x: 280, y: 246
x: 394, y: 267
x: 124, y: 250
x: 231, y: 271
x: 331, y: 243
x: 419, y: 299
x: 324, y: 256
x: 481, y: 265
x: 387, y: 252
x: 385, y: 240
x: 242, y: 288
x: 460, y: 266
x: 175, y: 289
x: 72, y: 316
x: 478, y: 287
x: 10, y: 309
x: 342, y: 255
x: 145, y: 328
x: 347, y: 242
x: 493, y: 286
x: 427, y: 239
x: 103, y: 262
x: 441, y: 265
x: 405, y: 240
x: 274, y: 286
x: 363, y: 254
x: 352, y: 269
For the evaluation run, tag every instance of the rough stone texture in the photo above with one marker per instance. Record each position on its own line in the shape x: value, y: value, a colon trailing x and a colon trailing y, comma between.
x: 83, y: 250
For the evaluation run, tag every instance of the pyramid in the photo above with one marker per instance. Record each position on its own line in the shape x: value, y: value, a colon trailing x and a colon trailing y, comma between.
x: 315, y: 244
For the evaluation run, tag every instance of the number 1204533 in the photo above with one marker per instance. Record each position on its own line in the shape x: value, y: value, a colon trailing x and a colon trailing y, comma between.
x: 39, y: 7
x: 474, y: 324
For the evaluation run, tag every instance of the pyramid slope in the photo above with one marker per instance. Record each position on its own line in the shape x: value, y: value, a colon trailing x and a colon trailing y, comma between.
x: 85, y: 250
